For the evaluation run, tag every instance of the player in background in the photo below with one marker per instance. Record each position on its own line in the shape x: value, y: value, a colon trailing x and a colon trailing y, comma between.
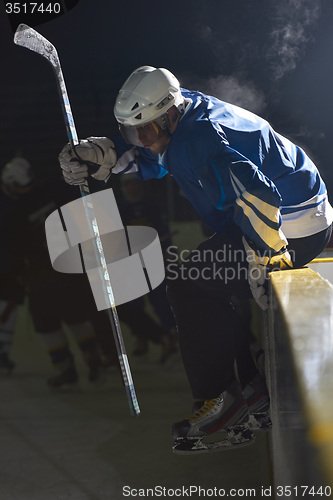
x: 11, y: 293
x: 267, y: 204
x: 54, y: 298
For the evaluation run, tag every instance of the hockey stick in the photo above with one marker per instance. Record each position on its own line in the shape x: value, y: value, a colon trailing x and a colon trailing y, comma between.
x: 30, y: 39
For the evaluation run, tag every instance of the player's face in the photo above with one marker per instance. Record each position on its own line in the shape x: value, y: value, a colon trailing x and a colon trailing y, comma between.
x: 150, y: 136
x: 158, y: 146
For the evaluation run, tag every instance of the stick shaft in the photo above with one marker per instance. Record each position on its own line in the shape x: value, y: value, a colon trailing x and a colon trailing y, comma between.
x: 32, y: 40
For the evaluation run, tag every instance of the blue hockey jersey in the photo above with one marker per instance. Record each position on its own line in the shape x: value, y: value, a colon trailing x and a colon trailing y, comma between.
x: 234, y: 168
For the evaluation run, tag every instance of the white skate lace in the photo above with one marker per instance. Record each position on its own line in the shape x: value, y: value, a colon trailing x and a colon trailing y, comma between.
x: 208, y: 407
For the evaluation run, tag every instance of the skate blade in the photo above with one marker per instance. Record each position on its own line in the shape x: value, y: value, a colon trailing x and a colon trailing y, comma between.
x: 66, y: 388
x: 260, y: 422
x: 238, y: 437
x: 6, y: 372
x: 100, y: 381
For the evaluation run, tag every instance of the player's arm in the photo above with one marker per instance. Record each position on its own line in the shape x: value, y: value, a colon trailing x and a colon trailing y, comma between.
x: 234, y: 183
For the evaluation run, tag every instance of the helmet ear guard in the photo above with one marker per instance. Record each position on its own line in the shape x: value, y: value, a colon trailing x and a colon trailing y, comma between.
x: 165, y: 101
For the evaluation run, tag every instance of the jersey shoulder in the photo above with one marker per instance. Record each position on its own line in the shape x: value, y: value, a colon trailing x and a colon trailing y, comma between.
x: 197, y: 137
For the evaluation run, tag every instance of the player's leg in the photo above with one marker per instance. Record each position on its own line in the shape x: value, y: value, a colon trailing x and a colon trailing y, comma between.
x: 8, y: 315
x: 145, y: 328
x: 75, y: 305
x: 211, y: 333
x: 62, y: 359
x: 44, y: 309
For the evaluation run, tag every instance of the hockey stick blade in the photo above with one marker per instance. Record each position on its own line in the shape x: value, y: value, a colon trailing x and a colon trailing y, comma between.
x: 32, y: 40
x: 27, y: 37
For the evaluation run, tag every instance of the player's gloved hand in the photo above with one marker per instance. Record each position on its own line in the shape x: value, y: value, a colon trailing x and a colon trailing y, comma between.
x: 259, y: 266
x: 94, y: 156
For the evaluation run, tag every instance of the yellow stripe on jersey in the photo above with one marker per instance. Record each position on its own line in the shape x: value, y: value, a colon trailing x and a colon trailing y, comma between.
x: 269, y: 211
x: 272, y: 238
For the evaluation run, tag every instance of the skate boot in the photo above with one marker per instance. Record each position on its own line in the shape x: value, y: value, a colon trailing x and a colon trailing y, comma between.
x: 6, y: 365
x: 141, y: 348
x: 227, y: 413
x: 95, y: 365
x: 257, y: 399
x: 96, y: 373
x: 67, y: 378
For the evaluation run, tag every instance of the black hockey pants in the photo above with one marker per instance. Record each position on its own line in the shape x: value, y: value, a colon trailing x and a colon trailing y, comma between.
x: 211, y: 333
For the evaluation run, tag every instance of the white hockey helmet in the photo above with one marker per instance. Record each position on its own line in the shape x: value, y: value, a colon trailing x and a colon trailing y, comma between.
x: 17, y: 171
x: 145, y: 98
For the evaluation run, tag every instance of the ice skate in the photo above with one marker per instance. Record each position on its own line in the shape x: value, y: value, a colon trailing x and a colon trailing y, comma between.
x: 227, y: 413
x: 257, y: 399
x: 141, y: 348
x: 67, y: 378
x: 6, y: 365
x: 96, y: 375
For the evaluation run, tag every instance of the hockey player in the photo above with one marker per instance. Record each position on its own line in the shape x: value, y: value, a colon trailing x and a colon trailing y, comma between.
x: 54, y: 297
x: 11, y: 295
x: 268, y: 206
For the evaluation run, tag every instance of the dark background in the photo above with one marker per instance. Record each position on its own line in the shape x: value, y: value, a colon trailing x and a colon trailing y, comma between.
x: 273, y: 57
